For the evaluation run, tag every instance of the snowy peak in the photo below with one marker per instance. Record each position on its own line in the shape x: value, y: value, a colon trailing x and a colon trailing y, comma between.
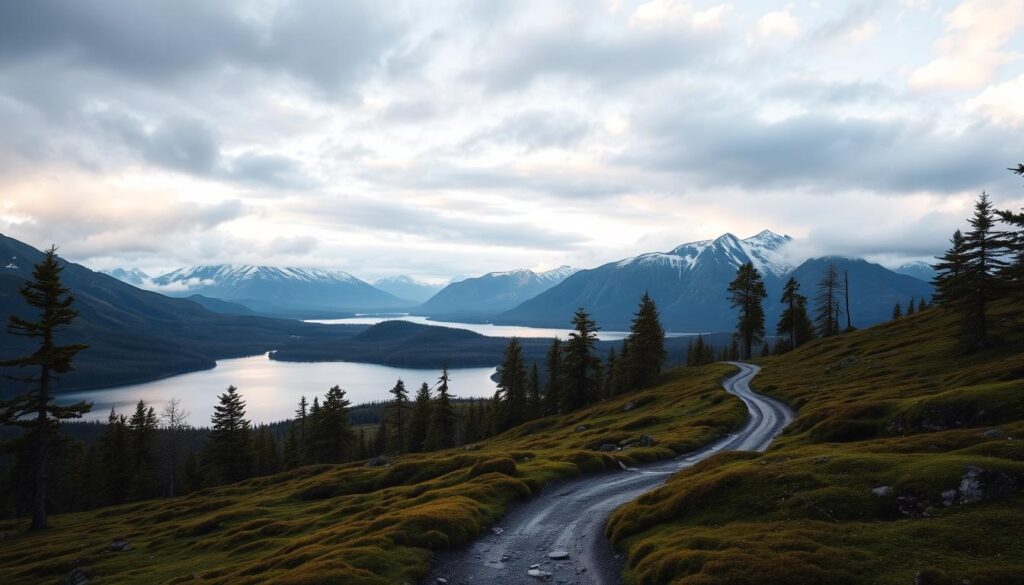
x: 558, y: 274
x: 132, y: 276
x: 763, y: 249
x: 223, y: 274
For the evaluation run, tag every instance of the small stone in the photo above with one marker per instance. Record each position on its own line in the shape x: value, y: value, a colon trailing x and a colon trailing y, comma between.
x: 505, y: 558
x: 535, y: 566
x: 77, y: 576
x: 119, y: 546
x: 538, y: 574
x: 609, y: 447
x: 378, y: 461
x: 629, y: 406
x: 948, y: 497
x: 441, y: 581
x: 882, y: 491
x: 994, y: 433
x: 558, y: 554
x: 582, y: 428
x: 497, y: 530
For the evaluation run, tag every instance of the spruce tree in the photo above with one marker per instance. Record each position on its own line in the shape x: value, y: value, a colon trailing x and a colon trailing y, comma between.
x: 443, y: 419
x: 396, y: 415
x: 512, y: 384
x: 332, y: 437
x: 301, y: 424
x: 689, y: 353
x: 34, y: 410
x: 1013, y: 237
x: 794, y: 325
x: 646, y: 346
x: 949, y: 272
x: 420, y: 420
x: 746, y: 293
x: 580, y: 366
x: 142, y: 428
x: 533, y: 397
x: 553, y: 389
x: 897, y: 311
x: 828, y: 310
x: 267, y: 460
x: 911, y: 307
x: 983, y: 254
x: 921, y: 305
x: 228, y: 445
x: 115, y: 461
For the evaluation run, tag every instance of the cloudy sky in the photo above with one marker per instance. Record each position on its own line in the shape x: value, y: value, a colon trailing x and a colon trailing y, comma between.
x: 442, y: 138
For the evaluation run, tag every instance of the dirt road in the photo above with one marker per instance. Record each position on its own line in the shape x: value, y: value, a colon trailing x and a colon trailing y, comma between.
x: 570, y: 515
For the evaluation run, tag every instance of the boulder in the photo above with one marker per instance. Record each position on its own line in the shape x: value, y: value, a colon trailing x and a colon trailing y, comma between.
x: 979, y: 484
x: 558, y: 554
x: 539, y: 574
x: 378, y: 461
x: 609, y: 447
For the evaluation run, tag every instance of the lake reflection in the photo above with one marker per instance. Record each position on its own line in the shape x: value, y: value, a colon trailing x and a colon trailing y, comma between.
x: 272, y: 389
x: 488, y: 329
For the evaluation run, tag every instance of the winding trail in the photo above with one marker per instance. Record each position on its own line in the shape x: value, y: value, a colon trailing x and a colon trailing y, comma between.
x: 571, y: 514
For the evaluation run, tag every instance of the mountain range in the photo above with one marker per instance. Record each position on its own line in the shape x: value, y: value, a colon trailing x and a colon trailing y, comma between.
x: 272, y: 290
x: 407, y: 287
x: 137, y: 335
x: 493, y: 292
x: 689, y: 285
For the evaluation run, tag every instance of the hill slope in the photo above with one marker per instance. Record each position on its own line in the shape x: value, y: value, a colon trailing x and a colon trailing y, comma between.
x: 901, y: 467
x: 358, y: 525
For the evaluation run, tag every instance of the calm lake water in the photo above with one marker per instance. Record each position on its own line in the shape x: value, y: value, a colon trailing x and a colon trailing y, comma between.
x: 271, y: 389
x: 488, y: 329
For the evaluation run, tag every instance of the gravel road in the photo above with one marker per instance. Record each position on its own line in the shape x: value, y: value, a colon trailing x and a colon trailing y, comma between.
x: 569, y: 516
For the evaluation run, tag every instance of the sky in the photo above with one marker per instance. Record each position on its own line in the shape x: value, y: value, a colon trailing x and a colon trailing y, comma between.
x: 455, y: 138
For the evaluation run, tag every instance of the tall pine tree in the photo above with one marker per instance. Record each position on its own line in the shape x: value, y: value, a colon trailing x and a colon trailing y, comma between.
x: 228, y: 445
x: 747, y: 293
x: 646, y: 346
x: 984, y: 251
x: 553, y: 389
x: 794, y: 324
x: 828, y: 310
x: 581, y: 367
x: 34, y: 410
x: 396, y: 415
x: 420, y: 420
x: 512, y: 386
x: 443, y: 419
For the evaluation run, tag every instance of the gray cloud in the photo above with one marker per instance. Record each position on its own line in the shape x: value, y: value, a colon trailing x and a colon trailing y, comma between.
x: 533, y: 130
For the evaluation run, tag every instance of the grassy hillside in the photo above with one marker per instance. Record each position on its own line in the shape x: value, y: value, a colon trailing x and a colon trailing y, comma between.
x: 906, y: 461
x: 354, y: 524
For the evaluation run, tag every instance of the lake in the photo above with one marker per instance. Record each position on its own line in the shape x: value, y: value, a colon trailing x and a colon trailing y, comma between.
x: 272, y: 389
x: 488, y: 329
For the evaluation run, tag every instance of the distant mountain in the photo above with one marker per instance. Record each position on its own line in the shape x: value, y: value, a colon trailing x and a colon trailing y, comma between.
x: 132, y: 276
x: 688, y: 283
x: 268, y: 289
x: 221, y: 306
x: 407, y: 287
x: 918, y: 269
x: 493, y: 292
x: 874, y: 289
x: 137, y: 335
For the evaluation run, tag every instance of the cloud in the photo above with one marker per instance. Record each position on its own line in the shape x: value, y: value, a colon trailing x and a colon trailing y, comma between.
x: 1002, y: 103
x: 972, y: 47
x: 779, y: 23
x: 532, y: 130
x: 674, y: 14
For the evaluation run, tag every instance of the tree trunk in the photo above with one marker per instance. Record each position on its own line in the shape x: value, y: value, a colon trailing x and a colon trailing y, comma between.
x: 41, y: 455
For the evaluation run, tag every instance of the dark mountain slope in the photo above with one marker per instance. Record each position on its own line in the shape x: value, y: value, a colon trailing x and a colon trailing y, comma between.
x: 138, y: 335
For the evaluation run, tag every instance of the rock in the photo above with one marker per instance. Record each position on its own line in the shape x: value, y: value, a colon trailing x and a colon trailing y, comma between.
x: 629, y: 406
x: 505, y: 558
x: 497, y: 530
x: 609, y: 447
x: 539, y: 574
x: 647, y: 441
x: 535, y: 566
x: 821, y: 459
x: 994, y: 433
x: 441, y: 581
x: 948, y: 497
x: 882, y: 491
x: 119, y: 546
x: 979, y: 484
x: 378, y: 461
x: 582, y: 428
x: 471, y: 448
x: 77, y: 576
x: 558, y: 554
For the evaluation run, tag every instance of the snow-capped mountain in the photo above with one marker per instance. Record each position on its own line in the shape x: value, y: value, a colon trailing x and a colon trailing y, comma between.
x: 407, y: 287
x: 918, y: 269
x: 132, y: 276
x: 689, y: 285
x: 277, y: 290
x: 494, y: 292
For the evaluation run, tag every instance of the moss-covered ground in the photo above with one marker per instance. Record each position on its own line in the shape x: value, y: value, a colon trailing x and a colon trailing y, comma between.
x: 905, y: 465
x: 353, y: 524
